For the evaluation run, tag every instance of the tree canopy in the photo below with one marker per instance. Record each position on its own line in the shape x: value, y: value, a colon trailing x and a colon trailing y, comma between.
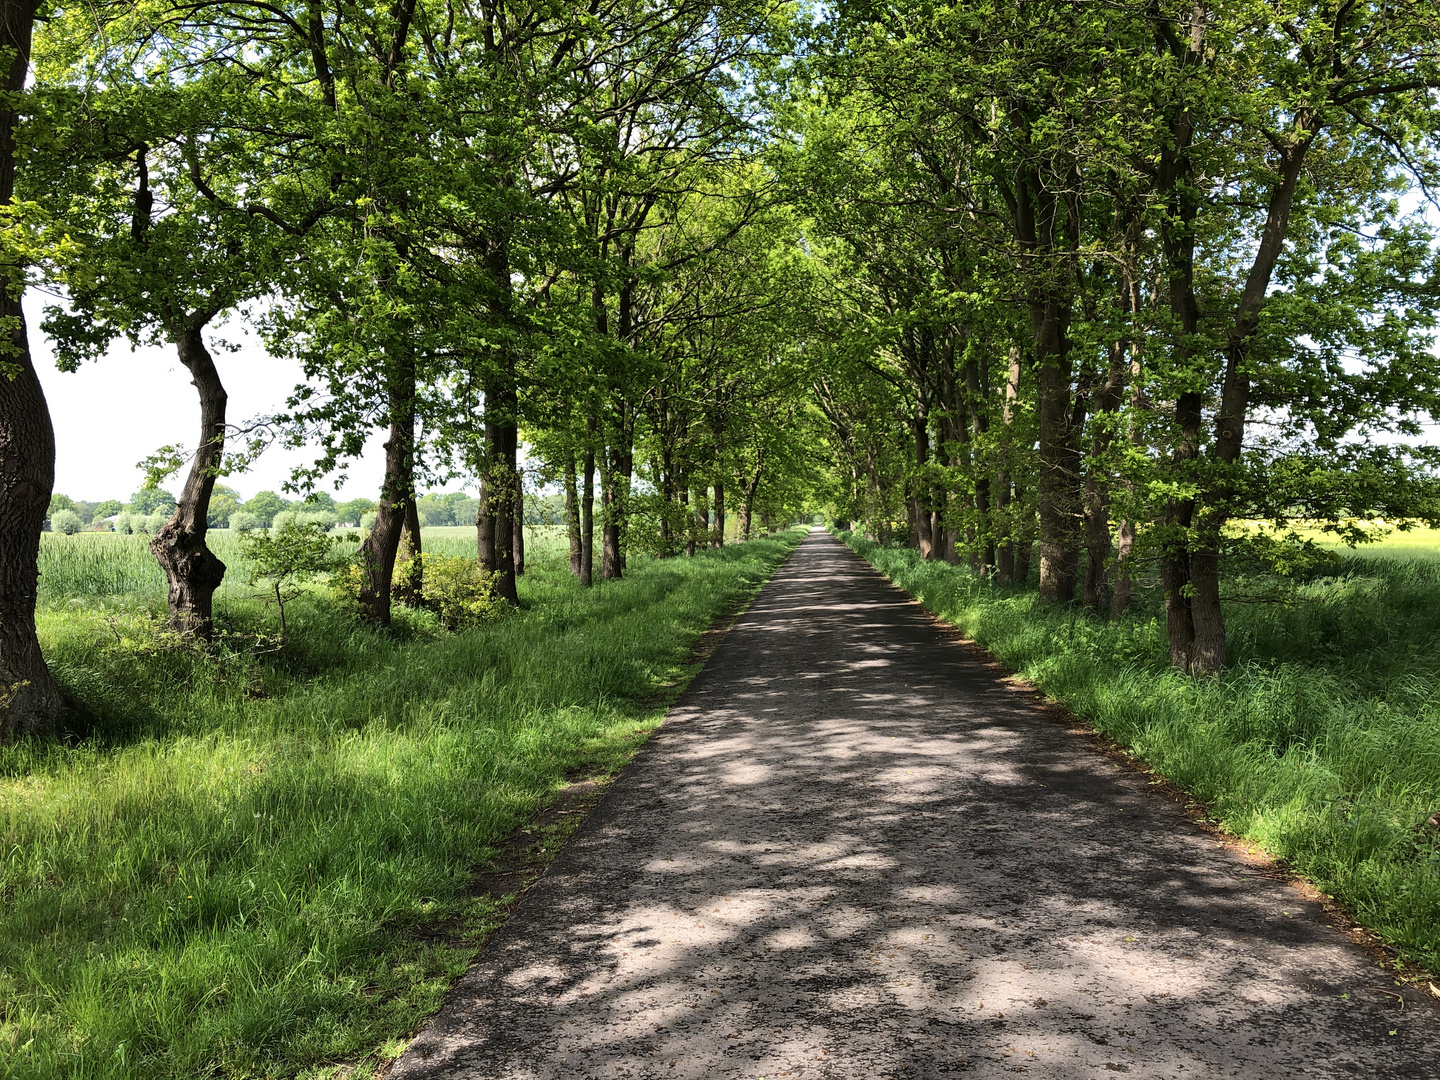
x: 1096, y: 282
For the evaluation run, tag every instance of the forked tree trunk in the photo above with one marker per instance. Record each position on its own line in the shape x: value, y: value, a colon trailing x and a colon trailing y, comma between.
x: 397, y: 492
x: 31, y: 700
x: 192, y: 570
x: 407, y: 583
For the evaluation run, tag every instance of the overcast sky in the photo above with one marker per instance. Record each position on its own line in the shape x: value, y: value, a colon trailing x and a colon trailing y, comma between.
x: 111, y: 414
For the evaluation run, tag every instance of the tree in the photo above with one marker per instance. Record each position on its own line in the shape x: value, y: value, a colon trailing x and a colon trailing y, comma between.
x: 286, y: 559
x: 224, y: 501
x: 265, y: 505
x: 65, y: 521
x: 31, y: 702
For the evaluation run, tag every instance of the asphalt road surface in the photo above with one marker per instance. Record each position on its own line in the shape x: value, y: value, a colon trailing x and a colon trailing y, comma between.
x: 854, y: 851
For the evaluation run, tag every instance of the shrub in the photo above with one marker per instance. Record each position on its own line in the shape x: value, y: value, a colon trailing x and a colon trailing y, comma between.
x: 286, y: 557
x: 324, y: 518
x: 124, y: 523
x: 458, y: 591
x: 149, y: 525
x: 66, y: 521
x: 244, y: 521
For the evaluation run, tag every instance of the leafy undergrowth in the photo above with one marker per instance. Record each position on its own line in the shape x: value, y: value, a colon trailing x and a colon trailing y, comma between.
x: 227, y: 872
x: 1320, y: 741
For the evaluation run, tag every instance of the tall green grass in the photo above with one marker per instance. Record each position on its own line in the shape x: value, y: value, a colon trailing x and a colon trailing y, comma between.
x: 230, y: 872
x: 95, y: 565
x: 1320, y: 741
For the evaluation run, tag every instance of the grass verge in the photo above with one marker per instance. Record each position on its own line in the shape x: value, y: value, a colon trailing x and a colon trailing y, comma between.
x: 233, y: 870
x: 1320, y: 742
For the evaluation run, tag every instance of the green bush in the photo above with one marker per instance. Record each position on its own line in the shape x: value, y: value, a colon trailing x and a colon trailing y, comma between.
x: 458, y: 591
x: 66, y: 521
x: 244, y: 521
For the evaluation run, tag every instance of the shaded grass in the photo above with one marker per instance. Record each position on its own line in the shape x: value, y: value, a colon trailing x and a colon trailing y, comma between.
x: 1320, y: 741
x: 227, y: 875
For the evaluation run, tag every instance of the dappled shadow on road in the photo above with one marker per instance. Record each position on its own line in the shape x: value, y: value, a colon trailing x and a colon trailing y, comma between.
x: 854, y: 851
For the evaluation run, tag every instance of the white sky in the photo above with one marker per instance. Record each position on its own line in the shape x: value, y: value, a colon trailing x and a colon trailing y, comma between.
x: 113, y: 413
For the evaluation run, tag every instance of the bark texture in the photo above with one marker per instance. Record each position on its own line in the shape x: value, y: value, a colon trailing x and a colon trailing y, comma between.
x: 29, y: 699
x: 397, y: 493
x: 192, y: 570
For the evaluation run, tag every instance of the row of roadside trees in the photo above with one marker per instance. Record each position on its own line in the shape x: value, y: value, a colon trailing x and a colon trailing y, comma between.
x: 472, y: 224
x: 1121, y: 277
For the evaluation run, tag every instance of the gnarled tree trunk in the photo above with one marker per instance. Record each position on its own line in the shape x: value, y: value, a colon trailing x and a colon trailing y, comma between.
x: 192, y: 570
x: 31, y: 700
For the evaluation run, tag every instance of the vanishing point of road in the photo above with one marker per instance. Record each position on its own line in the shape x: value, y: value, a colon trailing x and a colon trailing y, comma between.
x: 855, y: 851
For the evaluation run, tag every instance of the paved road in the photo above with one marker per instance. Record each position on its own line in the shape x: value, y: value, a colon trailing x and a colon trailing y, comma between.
x: 853, y: 852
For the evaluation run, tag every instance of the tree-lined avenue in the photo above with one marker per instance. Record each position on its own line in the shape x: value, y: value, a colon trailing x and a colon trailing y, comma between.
x: 855, y: 850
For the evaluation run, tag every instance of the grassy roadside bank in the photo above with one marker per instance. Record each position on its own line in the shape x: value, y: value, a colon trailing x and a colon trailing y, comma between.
x: 228, y: 874
x: 1320, y: 742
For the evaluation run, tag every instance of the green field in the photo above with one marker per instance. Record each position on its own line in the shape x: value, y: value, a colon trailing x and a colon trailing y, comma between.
x: 1320, y: 741
x: 227, y: 869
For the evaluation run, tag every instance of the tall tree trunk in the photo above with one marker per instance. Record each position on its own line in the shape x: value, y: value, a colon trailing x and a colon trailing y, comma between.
x: 977, y: 393
x: 587, y: 515
x: 1097, y: 482
x: 701, y: 526
x: 1005, y: 570
x: 191, y: 568
x: 517, y: 522
x: 717, y: 536
x: 683, y: 482
x: 499, y: 486
x: 609, y: 516
x: 29, y: 698
x: 1058, y: 501
x: 1039, y: 224
x: 572, y: 512
x: 921, y: 498
x: 397, y: 492
x: 747, y: 503
x: 626, y: 473
x: 407, y: 583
